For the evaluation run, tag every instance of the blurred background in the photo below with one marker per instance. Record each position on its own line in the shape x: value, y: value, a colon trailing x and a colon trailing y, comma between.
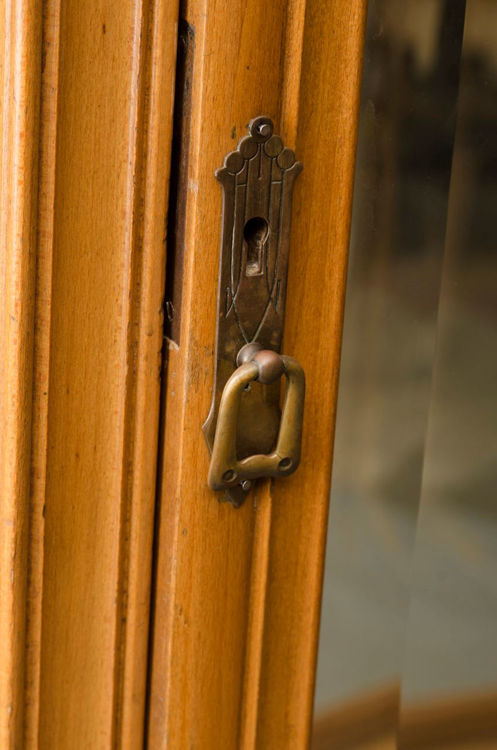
x: 408, y: 645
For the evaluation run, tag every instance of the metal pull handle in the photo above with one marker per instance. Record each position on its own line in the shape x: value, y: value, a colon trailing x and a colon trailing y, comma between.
x: 244, y: 431
x: 265, y: 366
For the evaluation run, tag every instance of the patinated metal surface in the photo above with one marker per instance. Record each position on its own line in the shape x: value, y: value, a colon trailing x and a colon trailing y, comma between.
x: 233, y: 474
x: 257, y: 180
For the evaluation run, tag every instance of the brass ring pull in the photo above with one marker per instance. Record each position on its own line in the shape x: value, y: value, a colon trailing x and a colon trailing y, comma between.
x: 266, y: 366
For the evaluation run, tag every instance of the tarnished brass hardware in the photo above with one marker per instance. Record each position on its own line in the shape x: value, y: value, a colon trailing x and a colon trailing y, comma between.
x: 227, y: 471
x: 257, y: 180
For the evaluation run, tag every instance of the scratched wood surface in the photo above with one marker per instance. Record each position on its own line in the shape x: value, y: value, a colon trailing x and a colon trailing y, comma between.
x: 84, y: 197
x: 20, y: 47
x: 238, y: 591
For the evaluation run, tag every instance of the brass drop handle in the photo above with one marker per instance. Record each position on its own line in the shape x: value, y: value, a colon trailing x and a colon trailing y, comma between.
x: 265, y: 366
x: 246, y: 433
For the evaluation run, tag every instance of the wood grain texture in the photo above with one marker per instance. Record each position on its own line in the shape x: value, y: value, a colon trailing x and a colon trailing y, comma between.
x: 20, y: 57
x: 238, y: 592
x: 146, y: 346
x: 43, y: 293
x: 106, y: 119
x: 205, y: 548
x: 326, y: 143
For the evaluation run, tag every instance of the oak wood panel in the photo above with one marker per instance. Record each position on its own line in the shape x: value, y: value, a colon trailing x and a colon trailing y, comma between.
x: 43, y: 291
x: 326, y: 142
x: 205, y: 548
x: 146, y: 351
x: 108, y: 81
x: 238, y: 592
x: 20, y: 56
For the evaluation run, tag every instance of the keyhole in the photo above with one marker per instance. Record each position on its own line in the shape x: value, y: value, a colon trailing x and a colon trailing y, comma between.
x: 255, y: 234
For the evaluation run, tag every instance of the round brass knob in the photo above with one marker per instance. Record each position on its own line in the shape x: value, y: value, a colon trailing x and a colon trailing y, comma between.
x: 270, y: 366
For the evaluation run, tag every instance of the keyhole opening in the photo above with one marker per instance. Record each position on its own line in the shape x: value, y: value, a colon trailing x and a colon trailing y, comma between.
x: 255, y: 234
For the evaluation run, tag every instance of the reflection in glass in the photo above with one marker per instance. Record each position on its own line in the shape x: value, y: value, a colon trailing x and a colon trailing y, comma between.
x: 409, y: 622
x: 450, y: 661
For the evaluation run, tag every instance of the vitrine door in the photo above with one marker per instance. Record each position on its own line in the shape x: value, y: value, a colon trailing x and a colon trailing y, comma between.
x: 237, y: 590
x: 87, y: 106
x: 136, y: 607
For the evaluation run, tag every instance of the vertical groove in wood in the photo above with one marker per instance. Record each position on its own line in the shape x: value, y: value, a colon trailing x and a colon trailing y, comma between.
x: 81, y: 284
x: 20, y: 35
x: 326, y: 142
x: 168, y: 533
x: 87, y: 374
x: 292, y: 69
x: 256, y: 616
x: 100, y: 321
x: 43, y: 290
x: 205, y: 548
x: 240, y: 590
x: 153, y: 147
x: 291, y: 64
x: 136, y: 146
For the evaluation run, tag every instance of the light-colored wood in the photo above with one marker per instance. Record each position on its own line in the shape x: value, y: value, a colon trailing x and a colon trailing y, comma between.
x: 82, y: 280
x: 238, y: 591
x: 43, y: 291
x: 146, y: 351
x: 20, y: 39
x: 205, y: 548
x: 326, y: 141
x: 114, y: 82
x: 82, y: 273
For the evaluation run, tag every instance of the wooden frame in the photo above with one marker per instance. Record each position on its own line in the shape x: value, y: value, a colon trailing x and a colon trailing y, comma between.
x: 87, y: 121
x: 20, y: 31
x: 238, y: 592
x: 86, y: 133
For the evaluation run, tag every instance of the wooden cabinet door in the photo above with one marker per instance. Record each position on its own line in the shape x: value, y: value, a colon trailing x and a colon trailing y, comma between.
x: 86, y: 139
x: 207, y: 636
x: 237, y: 592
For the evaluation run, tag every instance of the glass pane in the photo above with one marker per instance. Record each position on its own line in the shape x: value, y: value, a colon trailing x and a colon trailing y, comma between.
x: 408, y: 652
x: 450, y: 666
x: 406, y: 139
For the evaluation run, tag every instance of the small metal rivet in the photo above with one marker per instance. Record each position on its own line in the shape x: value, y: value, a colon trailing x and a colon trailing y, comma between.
x: 246, y: 485
x: 264, y: 128
x: 285, y: 464
x: 270, y: 365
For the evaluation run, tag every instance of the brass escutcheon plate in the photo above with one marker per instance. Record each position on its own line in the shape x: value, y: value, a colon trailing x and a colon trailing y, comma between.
x: 257, y: 180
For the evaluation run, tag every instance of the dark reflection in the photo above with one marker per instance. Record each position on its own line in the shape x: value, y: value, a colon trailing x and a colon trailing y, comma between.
x: 423, y: 202
x: 450, y: 663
